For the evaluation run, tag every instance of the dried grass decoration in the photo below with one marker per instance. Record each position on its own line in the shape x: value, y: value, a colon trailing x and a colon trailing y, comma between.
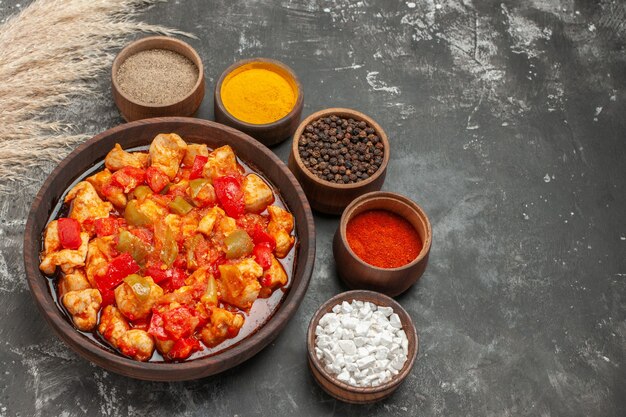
x: 50, y: 54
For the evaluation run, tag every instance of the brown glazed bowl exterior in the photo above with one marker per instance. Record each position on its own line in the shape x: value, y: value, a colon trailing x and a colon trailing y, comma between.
x: 141, y: 133
x: 268, y: 134
x: 341, y: 390
x: 358, y: 274
x: 327, y: 197
x: 132, y: 109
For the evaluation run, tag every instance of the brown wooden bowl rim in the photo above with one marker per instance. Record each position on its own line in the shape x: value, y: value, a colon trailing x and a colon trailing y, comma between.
x: 363, y: 295
x: 164, y: 371
x: 260, y: 126
x: 385, y: 195
x: 167, y: 39
x: 343, y: 112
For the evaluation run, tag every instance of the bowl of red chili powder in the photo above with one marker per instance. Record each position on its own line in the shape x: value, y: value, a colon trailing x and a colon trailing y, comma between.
x: 382, y: 243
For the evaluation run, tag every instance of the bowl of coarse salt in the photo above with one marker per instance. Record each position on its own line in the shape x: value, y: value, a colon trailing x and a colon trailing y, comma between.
x: 361, y: 346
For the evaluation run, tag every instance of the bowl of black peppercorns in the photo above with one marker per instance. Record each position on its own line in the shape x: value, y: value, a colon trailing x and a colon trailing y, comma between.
x: 337, y: 155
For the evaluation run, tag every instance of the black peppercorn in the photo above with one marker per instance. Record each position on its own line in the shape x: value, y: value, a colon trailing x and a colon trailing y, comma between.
x: 342, y: 151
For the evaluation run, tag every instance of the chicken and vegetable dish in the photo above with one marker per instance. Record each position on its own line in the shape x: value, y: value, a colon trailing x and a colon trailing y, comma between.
x: 167, y: 249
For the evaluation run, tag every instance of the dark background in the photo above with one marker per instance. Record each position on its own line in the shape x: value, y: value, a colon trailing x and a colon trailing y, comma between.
x: 507, y: 125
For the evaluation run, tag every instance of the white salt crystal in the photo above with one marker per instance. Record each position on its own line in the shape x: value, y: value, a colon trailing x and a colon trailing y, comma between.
x: 386, y: 311
x: 366, y: 362
x: 348, y: 346
x: 344, y: 376
x: 394, y: 319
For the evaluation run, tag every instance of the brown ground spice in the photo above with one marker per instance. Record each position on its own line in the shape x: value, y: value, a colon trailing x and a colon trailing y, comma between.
x: 157, y: 76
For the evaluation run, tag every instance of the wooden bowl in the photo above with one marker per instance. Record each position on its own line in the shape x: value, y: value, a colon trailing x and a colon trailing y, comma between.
x: 132, y: 109
x: 327, y: 197
x: 268, y: 134
x: 349, y: 393
x: 141, y: 133
x: 358, y: 274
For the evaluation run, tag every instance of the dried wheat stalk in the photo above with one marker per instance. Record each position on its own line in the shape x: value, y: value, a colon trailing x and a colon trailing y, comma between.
x: 51, y: 53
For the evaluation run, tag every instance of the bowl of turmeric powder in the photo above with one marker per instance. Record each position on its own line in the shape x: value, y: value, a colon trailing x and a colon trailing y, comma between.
x: 261, y: 97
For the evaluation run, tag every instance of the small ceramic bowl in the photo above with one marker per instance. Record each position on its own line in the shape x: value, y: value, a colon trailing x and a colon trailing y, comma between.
x: 268, y: 134
x: 349, y: 393
x: 325, y: 196
x: 132, y: 109
x: 356, y: 273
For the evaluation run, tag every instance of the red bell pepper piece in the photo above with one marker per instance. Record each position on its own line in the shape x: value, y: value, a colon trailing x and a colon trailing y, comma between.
x: 169, y: 279
x: 180, y: 322
x: 259, y: 235
x: 108, y: 296
x: 128, y: 178
x: 229, y: 194
x: 157, y: 180
x: 69, y: 233
x: 119, y: 268
x: 156, y: 326
x: 106, y: 227
x: 263, y: 254
x: 183, y: 348
x: 197, y: 167
x: 144, y: 234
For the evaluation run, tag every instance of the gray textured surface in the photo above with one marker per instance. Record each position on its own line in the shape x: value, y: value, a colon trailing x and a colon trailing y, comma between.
x: 507, y: 124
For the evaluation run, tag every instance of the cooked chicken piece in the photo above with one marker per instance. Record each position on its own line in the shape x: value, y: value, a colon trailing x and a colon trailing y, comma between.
x: 100, y: 252
x: 155, y: 212
x: 194, y: 150
x: 167, y: 152
x: 163, y: 346
x: 223, y: 324
x: 226, y: 225
x: 174, y: 222
x: 257, y: 195
x: 86, y: 203
x: 51, y: 241
x: 276, y: 274
x: 101, y: 182
x: 240, y: 283
x: 281, y: 218
x: 119, y: 158
x: 137, y: 344
x: 189, y: 224
x: 83, y: 306
x: 184, y: 295
x: 112, y: 325
x: 131, y: 306
x: 73, y: 281
x: 222, y: 161
x: 284, y: 241
x: 280, y: 227
x: 209, y: 220
x: 198, y: 279
x: 54, y: 256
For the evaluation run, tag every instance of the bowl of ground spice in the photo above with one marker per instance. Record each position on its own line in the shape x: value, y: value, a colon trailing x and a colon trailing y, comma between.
x: 337, y: 155
x: 261, y: 97
x: 157, y: 76
x: 382, y: 243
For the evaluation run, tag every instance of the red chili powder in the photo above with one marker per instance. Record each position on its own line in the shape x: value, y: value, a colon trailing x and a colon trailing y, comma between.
x: 383, y: 239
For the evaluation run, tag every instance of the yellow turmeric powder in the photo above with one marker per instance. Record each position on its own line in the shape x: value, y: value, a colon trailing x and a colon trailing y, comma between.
x: 258, y: 95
